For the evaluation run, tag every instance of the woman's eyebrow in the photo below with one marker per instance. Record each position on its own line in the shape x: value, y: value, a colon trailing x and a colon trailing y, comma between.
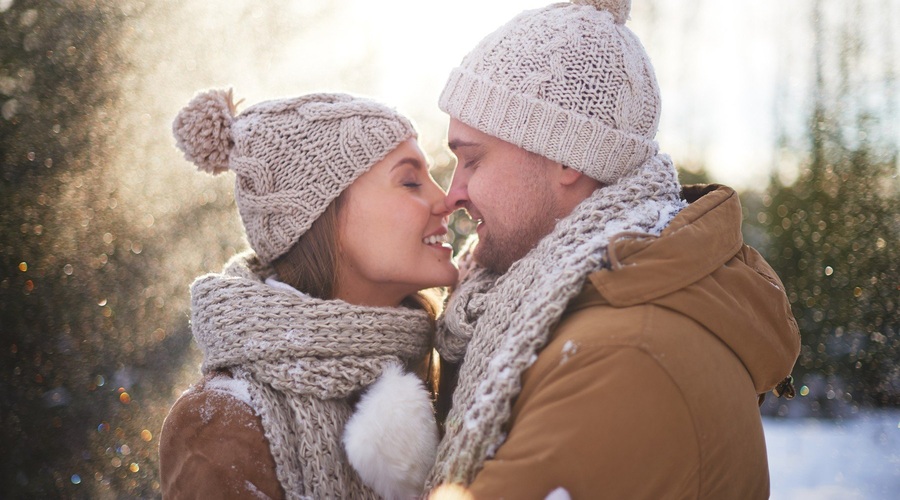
x: 414, y: 162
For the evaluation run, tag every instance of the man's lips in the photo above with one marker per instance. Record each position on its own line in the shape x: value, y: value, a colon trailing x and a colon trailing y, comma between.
x: 475, y: 216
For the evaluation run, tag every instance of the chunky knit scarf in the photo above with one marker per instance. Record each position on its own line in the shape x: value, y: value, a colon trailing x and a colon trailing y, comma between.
x: 497, y: 324
x: 302, y: 358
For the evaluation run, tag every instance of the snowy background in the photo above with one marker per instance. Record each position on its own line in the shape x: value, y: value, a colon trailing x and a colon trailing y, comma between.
x: 849, y: 459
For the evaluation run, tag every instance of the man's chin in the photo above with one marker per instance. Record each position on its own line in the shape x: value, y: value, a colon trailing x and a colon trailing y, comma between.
x: 490, y: 258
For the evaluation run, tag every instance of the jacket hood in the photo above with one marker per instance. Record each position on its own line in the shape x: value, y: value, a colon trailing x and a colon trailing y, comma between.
x: 700, y: 267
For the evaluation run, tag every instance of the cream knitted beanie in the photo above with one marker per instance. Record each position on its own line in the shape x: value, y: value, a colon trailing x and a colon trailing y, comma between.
x: 292, y: 157
x: 569, y: 82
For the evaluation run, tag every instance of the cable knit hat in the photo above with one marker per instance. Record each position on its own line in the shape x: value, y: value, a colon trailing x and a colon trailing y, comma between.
x: 569, y: 82
x: 292, y: 157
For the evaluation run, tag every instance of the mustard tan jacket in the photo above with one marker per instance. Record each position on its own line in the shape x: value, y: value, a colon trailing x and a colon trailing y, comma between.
x: 648, y: 387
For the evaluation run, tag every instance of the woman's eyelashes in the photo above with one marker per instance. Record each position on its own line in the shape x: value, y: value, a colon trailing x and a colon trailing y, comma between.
x: 411, y: 180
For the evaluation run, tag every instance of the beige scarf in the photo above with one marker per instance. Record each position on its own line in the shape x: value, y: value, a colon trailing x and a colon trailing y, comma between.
x: 303, y: 358
x: 497, y: 325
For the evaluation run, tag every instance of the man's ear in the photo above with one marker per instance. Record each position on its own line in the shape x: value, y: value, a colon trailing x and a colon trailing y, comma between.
x: 568, y: 176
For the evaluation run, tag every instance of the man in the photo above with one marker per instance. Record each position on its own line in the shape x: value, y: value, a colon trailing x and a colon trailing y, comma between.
x: 613, y: 338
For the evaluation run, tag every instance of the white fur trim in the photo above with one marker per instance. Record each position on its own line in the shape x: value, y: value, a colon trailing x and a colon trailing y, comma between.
x: 392, y: 438
x: 558, y: 494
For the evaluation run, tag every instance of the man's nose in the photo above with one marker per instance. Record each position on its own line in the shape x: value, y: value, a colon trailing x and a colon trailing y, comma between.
x: 458, y: 194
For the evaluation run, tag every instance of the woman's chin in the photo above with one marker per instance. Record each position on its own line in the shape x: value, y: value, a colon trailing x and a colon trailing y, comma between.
x: 446, y: 276
x: 452, y: 275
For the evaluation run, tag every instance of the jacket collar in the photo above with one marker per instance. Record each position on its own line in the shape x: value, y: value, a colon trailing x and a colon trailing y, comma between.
x: 699, y: 267
x: 712, y: 222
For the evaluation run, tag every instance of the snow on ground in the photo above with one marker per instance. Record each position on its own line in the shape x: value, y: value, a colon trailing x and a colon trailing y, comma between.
x: 853, y: 459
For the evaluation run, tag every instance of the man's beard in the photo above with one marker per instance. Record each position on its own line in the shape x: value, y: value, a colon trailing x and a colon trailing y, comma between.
x: 502, y: 247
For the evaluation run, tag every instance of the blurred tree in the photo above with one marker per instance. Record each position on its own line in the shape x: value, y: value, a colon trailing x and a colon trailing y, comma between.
x: 101, y: 234
x: 835, y: 231
x: 693, y: 174
x: 90, y: 345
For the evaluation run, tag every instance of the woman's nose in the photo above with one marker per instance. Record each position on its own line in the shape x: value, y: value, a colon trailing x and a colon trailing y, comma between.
x: 436, y: 195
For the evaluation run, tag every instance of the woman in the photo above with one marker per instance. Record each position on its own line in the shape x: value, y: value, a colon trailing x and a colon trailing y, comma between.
x: 311, y: 340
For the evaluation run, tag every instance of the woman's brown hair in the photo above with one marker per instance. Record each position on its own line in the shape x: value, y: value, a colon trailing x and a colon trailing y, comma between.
x: 311, y: 264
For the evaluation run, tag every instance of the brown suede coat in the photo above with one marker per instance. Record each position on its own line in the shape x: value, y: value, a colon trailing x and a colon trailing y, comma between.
x: 212, y: 446
x: 648, y: 386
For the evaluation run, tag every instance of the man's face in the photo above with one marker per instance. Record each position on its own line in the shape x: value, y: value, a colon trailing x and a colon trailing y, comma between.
x: 506, y: 189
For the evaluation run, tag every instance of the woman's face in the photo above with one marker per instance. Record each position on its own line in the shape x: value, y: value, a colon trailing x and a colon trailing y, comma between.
x: 392, y: 232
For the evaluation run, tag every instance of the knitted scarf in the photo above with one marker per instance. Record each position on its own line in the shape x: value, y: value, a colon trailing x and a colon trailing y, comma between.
x: 497, y: 324
x: 302, y: 357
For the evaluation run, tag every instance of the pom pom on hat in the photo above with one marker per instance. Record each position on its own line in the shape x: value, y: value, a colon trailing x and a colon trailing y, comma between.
x: 291, y: 157
x: 620, y: 9
x: 203, y: 130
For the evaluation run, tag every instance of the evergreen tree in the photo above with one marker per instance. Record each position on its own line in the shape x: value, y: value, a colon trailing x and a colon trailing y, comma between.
x: 835, y: 236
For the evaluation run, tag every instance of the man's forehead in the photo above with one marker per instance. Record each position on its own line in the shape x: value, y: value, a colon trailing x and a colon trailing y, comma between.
x: 460, y: 136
